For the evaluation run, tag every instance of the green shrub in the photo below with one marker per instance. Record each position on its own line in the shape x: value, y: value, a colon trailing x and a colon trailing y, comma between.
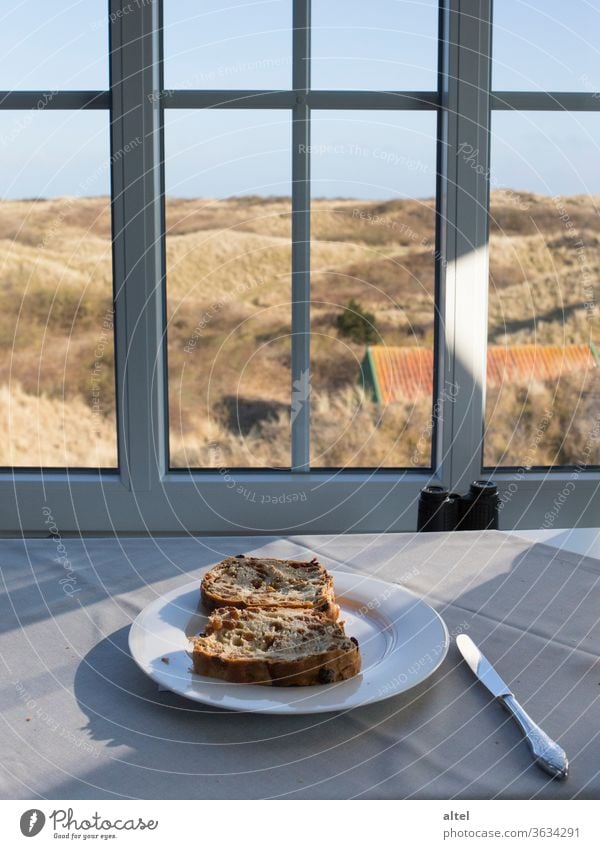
x: 357, y: 324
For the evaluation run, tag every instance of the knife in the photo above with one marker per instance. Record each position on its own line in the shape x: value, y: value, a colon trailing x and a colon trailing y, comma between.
x: 547, y: 754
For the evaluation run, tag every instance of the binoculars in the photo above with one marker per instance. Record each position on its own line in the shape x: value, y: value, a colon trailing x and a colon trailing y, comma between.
x: 441, y: 510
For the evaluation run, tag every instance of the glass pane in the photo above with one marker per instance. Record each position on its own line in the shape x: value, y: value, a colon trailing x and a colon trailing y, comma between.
x: 53, y: 46
x: 382, y: 45
x: 233, y: 44
x: 373, y: 260
x: 543, y: 376
x: 57, y: 361
x: 546, y: 45
x: 228, y: 284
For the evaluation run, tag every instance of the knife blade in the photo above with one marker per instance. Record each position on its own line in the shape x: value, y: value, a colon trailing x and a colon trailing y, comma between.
x: 547, y: 754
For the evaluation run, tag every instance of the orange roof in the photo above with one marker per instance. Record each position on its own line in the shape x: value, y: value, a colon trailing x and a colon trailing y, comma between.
x: 536, y: 362
x: 400, y: 373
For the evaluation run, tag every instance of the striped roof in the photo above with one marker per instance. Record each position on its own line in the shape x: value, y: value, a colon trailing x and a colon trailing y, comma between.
x: 399, y: 373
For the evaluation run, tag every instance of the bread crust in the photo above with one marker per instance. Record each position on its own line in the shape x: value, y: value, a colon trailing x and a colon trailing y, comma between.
x: 340, y: 665
x: 215, y: 593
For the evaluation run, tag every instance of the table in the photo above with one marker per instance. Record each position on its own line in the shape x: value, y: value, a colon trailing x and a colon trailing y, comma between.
x: 80, y: 721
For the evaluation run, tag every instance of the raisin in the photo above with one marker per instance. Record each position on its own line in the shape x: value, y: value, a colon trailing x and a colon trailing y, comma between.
x: 240, y: 555
x: 325, y: 675
x: 354, y: 640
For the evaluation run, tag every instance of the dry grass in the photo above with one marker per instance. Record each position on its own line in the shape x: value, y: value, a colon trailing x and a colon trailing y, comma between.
x: 348, y: 429
x: 547, y: 424
x: 229, y: 328
x: 42, y: 431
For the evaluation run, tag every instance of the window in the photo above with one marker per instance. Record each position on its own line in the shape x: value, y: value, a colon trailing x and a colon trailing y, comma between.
x: 57, y: 338
x: 57, y: 372
x: 373, y: 181
x: 228, y: 241
x: 545, y: 45
x: 306, y: 207
x: 54, y: 46
x: 385, y: 44
x: 543, y: 376
x: 228, y: 44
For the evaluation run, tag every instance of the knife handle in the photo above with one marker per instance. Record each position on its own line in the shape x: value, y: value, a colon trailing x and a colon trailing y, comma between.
x: 547, y: 754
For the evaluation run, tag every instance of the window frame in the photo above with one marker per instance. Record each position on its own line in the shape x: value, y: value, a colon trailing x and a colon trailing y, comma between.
x: 145, y: 495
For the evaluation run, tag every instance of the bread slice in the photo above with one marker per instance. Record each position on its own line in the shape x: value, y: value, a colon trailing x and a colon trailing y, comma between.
x: 279, y: 647
x: 266, y: 582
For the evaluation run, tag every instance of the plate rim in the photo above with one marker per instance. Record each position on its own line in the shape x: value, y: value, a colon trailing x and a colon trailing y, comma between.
x: 285, y: 708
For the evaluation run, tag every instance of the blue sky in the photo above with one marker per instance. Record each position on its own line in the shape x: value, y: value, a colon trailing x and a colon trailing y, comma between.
x: 538, y: 44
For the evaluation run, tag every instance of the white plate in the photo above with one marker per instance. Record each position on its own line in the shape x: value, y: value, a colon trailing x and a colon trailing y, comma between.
x: 402, y: 642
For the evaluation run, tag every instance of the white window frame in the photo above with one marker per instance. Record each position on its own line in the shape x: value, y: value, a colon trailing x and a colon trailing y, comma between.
x: 145, y: 495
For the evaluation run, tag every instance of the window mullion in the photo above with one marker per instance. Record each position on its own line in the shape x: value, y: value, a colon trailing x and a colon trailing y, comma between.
x: 545, y: 101
x: 300, y: 409
x: 463, y: 293
x: 138, y: 267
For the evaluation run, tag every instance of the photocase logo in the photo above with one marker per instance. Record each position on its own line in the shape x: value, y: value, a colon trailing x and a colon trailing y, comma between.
x: 32, y: 822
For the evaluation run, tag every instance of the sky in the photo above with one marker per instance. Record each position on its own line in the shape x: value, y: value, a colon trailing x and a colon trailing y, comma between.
x: 538, y: 44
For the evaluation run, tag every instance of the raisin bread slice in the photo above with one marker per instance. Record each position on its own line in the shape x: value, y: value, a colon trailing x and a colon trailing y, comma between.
x: 278, y: 647
x: 267, y: 582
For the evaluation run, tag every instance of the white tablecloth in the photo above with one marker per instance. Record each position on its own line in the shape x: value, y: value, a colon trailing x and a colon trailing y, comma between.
x: 81, y: 721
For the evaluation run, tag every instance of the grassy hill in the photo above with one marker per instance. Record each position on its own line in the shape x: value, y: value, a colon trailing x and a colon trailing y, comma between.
x: 228, y: 265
